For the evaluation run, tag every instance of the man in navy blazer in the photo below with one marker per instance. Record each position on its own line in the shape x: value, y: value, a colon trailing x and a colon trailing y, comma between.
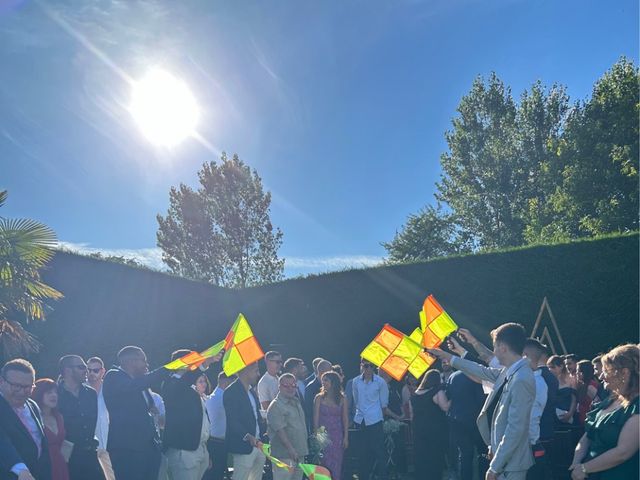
x: 245, y: 425
x: 24, y: 452
x: 133, y: 442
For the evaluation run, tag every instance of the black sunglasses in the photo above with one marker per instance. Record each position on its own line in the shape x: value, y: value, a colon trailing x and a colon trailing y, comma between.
x: 366, y: 365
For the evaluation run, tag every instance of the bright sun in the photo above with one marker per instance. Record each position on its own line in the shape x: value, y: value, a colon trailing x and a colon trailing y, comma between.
x: 164, y: 108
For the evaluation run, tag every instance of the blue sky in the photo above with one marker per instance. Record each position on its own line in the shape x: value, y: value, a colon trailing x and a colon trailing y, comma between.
x: 341, y: 106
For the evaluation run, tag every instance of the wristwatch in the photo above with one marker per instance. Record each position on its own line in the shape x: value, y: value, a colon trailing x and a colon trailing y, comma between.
x: 583, y: 468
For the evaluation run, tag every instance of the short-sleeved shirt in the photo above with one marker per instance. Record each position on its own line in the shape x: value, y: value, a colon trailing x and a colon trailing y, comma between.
x: 287, y: 414
x: 603, y: 429
x: 267, y: 388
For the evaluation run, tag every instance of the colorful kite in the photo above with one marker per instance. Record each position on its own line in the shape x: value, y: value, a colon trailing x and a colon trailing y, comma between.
x: 315, y: 472
x: 396, y: 353
x: 435, y: 323
x: 241, y: 347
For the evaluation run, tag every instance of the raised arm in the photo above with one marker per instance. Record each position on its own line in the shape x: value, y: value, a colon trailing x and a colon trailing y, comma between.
x: 483, y: 352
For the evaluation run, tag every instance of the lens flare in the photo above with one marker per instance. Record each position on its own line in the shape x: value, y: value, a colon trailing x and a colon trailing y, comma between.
x: 164, y: 108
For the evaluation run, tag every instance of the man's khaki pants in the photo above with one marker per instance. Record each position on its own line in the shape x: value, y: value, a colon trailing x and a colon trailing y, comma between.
x: 284, y: 474
x: 248, y: 467
x: 187, y: 464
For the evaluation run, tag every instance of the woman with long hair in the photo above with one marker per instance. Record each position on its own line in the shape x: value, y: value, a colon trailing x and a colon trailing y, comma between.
x: 45, y: 395
x: 203, y: 386
x: 566, y: 398
x: 331, y: 412
x: 430, y: 442
x: 587, y: 388
x: 608, y: 449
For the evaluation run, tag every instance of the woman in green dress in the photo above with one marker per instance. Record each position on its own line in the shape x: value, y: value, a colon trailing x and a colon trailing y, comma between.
x: 608, y: 450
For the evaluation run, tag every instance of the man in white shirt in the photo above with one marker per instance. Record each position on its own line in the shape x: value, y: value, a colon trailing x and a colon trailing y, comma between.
x: 95, y: 374
x: 540, y: 470
x: 268, y: 384
x: 370, y: 397
x: 217, y: 416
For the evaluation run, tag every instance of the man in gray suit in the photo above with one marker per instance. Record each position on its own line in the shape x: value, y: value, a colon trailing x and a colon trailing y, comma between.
x: 504, y: 419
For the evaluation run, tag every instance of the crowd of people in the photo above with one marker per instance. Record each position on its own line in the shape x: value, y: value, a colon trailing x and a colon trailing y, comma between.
x: 512, y: 411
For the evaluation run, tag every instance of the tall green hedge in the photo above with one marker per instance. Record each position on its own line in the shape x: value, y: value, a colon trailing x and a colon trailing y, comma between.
x: 592, y: 287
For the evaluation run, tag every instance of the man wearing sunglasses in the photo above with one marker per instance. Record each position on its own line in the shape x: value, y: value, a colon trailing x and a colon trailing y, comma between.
x: 371, y: 398
x: 78, y: 405
x: 95, y: 375
x: 23, y: 445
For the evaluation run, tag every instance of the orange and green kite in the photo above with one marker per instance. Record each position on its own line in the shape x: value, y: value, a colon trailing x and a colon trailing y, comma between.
x: 241, y: 347
x: 194, y: 359
x: 396, y: 353
x: 435, y: 323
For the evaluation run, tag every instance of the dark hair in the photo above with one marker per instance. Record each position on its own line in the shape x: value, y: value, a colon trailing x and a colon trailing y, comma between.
x: 17, y: 365
x: 43, y: 385
x: 291, y: 364
x: 336, y: 386
x: 338, y: 369
x: 513, y: 335
x: 597, y: 360
x: 182, y: 352
x: 96, y: 360
x: 571, y: 356
x: 128, y: 352
x: 209, y: 388
x: 585, y: 368
x: 65, y: 361
x: 557, y: 361
x: 431, y: 379
x: 224, y: 376
x: 536, y: 344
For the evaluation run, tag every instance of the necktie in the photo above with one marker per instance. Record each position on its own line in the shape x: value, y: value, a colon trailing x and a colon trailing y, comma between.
x: 494, y: 403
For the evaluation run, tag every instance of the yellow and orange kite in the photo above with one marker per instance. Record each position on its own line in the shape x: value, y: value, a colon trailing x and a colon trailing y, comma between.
x: 397, y: 353
x: 241, y: 348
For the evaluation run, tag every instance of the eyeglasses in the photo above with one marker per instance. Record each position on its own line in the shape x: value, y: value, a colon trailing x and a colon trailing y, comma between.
x: 95, y: 370
x: 19, y: 386
x: 366, y: 365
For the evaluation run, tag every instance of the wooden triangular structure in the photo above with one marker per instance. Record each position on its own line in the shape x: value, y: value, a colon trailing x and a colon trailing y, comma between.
x: 546, y: 335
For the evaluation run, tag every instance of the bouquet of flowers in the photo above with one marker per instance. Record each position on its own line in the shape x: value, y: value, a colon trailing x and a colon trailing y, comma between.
x: 318, y: 441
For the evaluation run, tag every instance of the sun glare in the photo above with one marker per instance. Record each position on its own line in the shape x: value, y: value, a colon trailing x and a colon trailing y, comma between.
x: 164, y: 108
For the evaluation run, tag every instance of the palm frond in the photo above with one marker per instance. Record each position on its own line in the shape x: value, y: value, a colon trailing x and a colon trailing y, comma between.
x: 43, y: 291
x: 15, y: 341
x: 3, y: 197
x: 27, y: 241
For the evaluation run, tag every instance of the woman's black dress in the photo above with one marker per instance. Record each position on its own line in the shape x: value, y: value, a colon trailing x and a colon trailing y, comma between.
x: 430, y: 439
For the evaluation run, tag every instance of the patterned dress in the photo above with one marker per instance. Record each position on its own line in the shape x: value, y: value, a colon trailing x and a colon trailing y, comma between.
x: 331, y: 419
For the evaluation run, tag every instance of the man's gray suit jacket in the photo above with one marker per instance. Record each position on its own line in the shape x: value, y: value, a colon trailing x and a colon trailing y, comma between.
x: 508, y: 436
